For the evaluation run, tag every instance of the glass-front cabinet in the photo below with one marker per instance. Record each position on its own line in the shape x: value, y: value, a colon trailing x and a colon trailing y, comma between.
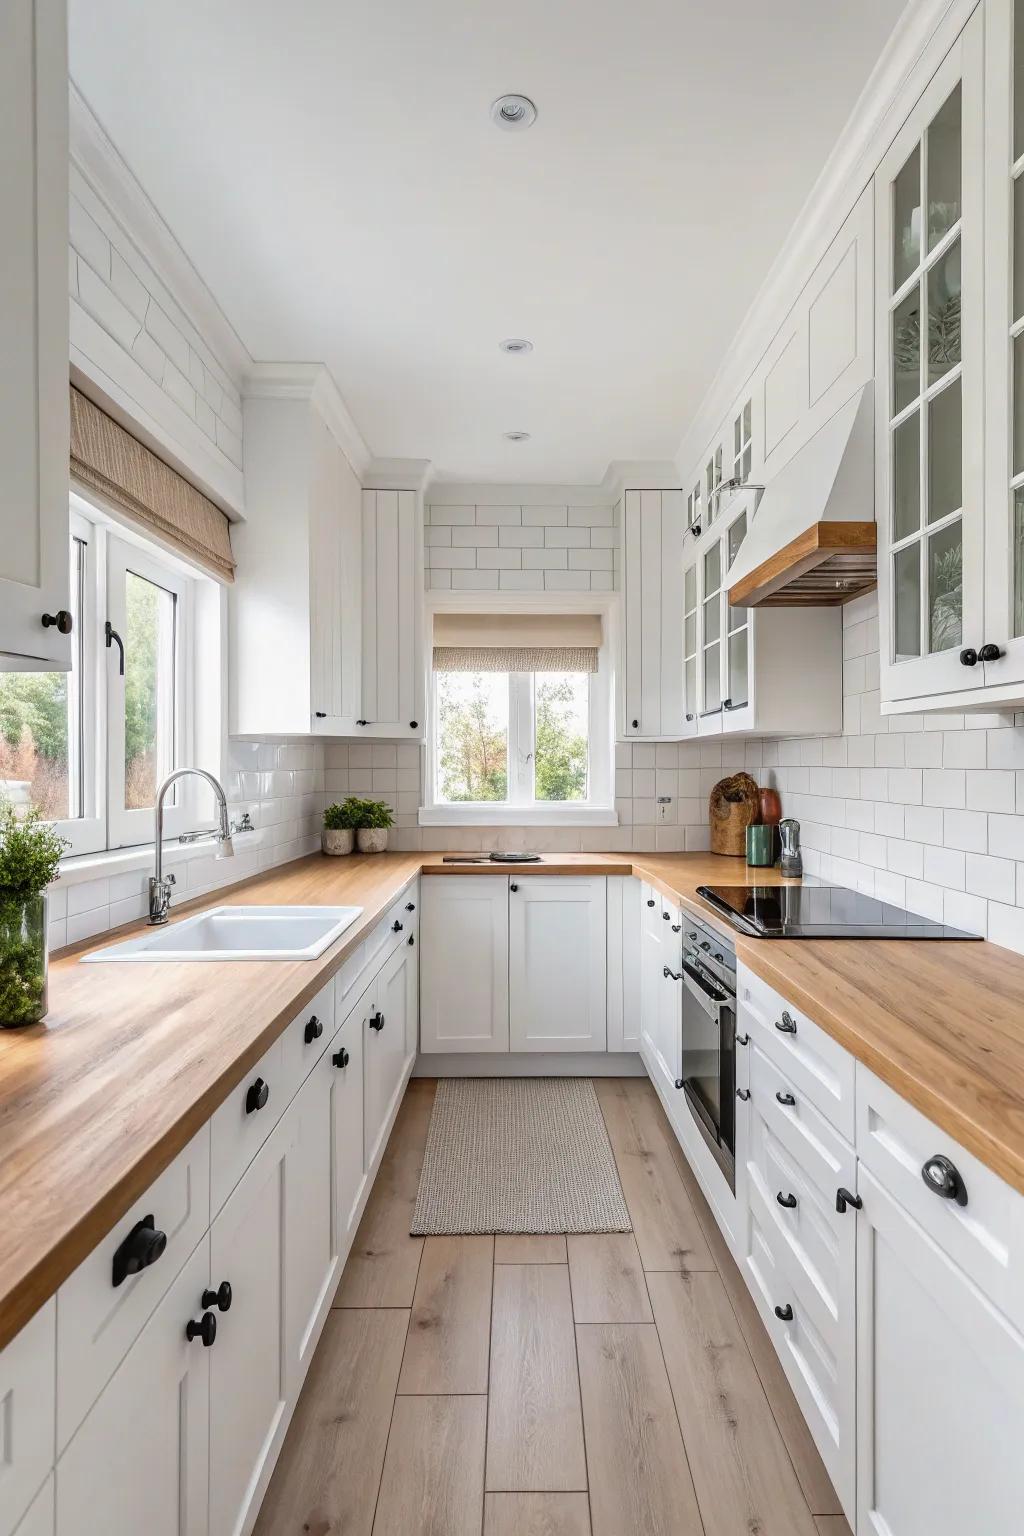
x: 716, y: 636
x: 929, y: 277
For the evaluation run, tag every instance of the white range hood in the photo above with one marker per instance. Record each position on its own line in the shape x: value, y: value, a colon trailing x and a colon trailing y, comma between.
x: 811, y: 541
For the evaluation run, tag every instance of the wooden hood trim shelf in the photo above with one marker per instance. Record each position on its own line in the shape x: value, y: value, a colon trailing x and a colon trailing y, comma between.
x: 828, y: 564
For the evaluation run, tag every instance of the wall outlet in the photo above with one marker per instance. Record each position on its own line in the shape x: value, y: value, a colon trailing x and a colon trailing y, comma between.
x: 664, y: 801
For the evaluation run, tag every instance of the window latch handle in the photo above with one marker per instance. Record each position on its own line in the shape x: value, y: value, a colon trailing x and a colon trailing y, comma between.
x: 112, y: 636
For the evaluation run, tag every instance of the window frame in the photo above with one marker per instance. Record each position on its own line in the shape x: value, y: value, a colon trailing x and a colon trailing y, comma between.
x: 520, y: 809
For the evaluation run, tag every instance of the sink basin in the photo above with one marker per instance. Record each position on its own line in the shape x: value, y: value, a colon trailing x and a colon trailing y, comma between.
x: 238, y: 933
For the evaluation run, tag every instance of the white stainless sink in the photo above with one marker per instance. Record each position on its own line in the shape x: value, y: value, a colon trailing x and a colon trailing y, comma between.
x: 238, y: 933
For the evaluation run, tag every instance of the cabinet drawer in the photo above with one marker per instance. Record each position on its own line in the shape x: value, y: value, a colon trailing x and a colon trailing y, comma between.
x: 821, y: 1070
x: 26, y: 1415
x: 379, y: 943
x: 985, y: 1236
x: 300, y: 1055
x: 240, y: 1126
x: 98, y: 1320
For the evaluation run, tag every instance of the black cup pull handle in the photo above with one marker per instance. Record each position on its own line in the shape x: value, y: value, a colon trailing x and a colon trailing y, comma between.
x: 784, y: 1314
x: 743, y: 1093
x: 844, y: 1198
x: 787, y: 1024
x: 785, y: 1099
x: 989, y: 652
x: 788, y: 1202
x: 944, y: 1179
x: 742, y: 1039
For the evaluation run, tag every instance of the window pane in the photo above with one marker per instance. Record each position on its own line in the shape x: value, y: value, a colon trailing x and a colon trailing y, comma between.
x: 689, y: 634
x: 562, y: 724
x: 906, y: 220
x: 472, y: 735
x: 712, y: 678
x: 713, y: 568
x: 1018, y: 79
x: 944, y: 314
x: 691, y: 686
x: 907, y: 592
x: 944, y: 453
x: 944, y: 170
x: 737, y: 663
x: 906, y: 351
x: 906, y: 493
x: 712, y: 619
x: 1018, y: 403
x: 1018, y: 247
x: 1018, y: 562
x: 149, y: 686
x: 737, y: 533
x: 40, y: 725
x: 690, y: 588
x: 945, y: 589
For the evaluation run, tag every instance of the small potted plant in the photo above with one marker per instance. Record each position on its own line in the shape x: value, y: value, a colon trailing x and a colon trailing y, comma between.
x: 30, y: 854
x: 340, y: 822
x: 372, y: 826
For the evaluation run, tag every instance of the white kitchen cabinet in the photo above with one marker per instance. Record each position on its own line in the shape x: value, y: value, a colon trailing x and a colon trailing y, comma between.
x: 558, y: 998
x: 392, y: 702
x: 653, y: 958
x: 311, y: 1233
x: 40, y: 1519
x: 296, y: 604
x: 391, y: 1004
x: 140, y: 1461
x: 249, y: 1370
x: 766, y: 670
x: 34, y: 412
x: 27, y: 1414
x: 940, y: 1393
x: 651, y: 688
x: 346, y: 1057
x: 464, y: 982
x: 624, y: 896
x: 930, y: 399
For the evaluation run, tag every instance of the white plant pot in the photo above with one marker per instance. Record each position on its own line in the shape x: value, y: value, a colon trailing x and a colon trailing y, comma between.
x: 337, y: 840
x: 372, y: 839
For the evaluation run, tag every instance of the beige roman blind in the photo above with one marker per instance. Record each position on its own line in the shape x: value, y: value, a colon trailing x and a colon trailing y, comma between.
x: 107, y: 459
x: 516, y: 642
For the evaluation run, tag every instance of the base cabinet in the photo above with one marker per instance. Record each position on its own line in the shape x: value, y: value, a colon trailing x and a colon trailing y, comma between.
x: 311, y: 1230
x: 391, y: 1003
x: 557, y: 956
x: 940, y: 1388
x: 141, y: 1460
x: 348, y: 1168
x: 465, y: 963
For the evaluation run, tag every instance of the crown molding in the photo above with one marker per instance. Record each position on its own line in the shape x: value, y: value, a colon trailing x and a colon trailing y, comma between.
x: 398, y: 475
x: 96, y: 158
x: 922, y: 37
x: 639, y: 475
x: 313, y: 382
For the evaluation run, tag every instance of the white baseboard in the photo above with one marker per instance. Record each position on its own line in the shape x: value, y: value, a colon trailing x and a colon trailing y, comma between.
x: 531, y: 1064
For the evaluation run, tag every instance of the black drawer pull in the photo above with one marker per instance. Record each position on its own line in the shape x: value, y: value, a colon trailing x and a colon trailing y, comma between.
x: 313, y: 1030
x: 665, y: 917
x: 410, y: 906
x: 141, y: 1248
x: 341, y: 1058
x: 257, y: 1096
x: 784, y: 1314
x: 671, y: 975
x: 650, y: 903
x: 377, y: 1021
x: 742, y: 1039
x: 411, y: 940
x: 220, y: 1298
x: 743, y: 1093
x: 786, y: 1025
x: 944, y: 1179
x: 788, y: 1202
x: 844, y: 1198
x: 396, y: 926
x: 785, y: 1099
x: 205, y: 1329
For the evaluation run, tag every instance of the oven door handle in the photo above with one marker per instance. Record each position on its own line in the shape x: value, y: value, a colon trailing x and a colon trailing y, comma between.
x: 710, y: 1001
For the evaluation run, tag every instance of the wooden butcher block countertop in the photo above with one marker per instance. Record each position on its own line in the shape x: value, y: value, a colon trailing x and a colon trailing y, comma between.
x: 132, y: 1059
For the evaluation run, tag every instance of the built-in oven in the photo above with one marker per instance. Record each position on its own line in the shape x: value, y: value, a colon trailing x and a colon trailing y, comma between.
x: 708, y: 1058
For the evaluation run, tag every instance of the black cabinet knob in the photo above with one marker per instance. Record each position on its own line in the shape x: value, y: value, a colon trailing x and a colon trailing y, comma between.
x: 650, y: 903
x: 377, y: 1021
x: 989, y: 653
x: 786, y: 1099
x: 680, y: 1083
x: 968, y: 656
x: 414, y: 725
x: 689, y: 717
x: 257, y: 1096
x: 220, y: 1298
x: 320, y: 714
x: 944, y: 1179
x: 61, y: 619
x: 742, y: 1039
x: 362, y: 722
x: 514, y: 887
x: 788, y: 1202
x: 141, y: 1248
x: 410, y: 906
x: 785, y: 1314
x: 411, y: 940
x: 205, y: 1329
x: 786, y: 1025
x: 313, y: 1030
x: 396, y: 926
x: 678, y: 928
x: 636, y: 725
x: 844, y: 1198
x: 743, y: 1093
x: 341, y: 1058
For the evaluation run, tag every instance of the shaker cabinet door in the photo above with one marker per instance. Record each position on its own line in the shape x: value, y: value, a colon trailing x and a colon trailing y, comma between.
x: 558, y: 994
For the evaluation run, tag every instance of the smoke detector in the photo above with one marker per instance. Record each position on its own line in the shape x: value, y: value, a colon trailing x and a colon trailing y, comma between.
x: 516, y: 345
x: 513, y: 112
x: 518, y: 437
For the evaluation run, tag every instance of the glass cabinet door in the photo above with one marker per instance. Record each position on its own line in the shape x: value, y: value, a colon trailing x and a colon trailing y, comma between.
x: 711, y: 630
x: 691, y: 646
x: 737, y: 628
x: 929, y: 303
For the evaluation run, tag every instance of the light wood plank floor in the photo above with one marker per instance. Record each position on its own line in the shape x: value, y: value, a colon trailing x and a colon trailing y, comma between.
x: 617, y: 1385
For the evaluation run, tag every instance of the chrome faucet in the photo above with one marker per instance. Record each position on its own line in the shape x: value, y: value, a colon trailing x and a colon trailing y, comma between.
x: 159, y: 883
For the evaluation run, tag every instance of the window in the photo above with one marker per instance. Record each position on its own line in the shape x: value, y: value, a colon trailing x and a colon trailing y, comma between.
x: 693, y: 508
x: 89, y: 747
x: 742, y: 445
x: 713, y: 483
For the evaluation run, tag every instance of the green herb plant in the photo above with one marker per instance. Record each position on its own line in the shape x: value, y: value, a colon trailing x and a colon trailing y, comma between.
x: 342, y: 818
x: 370, y: 813
x: 30, y: 854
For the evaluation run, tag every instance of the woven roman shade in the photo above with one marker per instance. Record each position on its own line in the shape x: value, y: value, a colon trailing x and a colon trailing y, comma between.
x: 153, y: 496
x: 516, y: 642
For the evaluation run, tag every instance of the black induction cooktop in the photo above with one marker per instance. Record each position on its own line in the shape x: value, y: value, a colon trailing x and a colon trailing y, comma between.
x: 819, y: 912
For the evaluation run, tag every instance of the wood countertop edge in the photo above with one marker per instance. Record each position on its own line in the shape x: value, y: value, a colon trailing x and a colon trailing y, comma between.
x: 44, y: 1273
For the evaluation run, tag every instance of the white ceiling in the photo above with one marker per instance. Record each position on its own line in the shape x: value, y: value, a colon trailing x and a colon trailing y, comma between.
x: 331, y: 169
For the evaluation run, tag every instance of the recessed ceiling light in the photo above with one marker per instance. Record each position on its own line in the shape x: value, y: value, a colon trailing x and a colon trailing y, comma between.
x: 516, y: 344
x: 518, y: 437
x: 513, y: 111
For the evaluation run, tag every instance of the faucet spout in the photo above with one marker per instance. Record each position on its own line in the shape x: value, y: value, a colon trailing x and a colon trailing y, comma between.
x: 159, y: 884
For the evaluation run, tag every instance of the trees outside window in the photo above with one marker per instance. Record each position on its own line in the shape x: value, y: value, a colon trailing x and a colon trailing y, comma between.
x: 512, y: 737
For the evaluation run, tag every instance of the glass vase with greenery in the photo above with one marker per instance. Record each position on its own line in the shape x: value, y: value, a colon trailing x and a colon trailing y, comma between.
x: 30, y: 853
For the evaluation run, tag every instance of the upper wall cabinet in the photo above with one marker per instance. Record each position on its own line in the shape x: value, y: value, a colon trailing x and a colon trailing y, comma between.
x: 651, y: 678
x: 295, y: 608
x: 392, y: 699
x: 34, y: 433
